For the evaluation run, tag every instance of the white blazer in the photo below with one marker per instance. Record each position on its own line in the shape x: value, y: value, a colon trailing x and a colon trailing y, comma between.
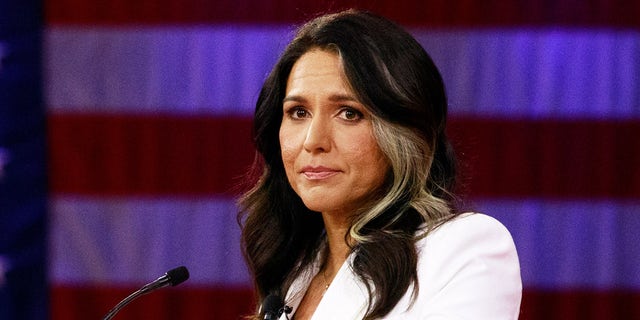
x: 467, y: 269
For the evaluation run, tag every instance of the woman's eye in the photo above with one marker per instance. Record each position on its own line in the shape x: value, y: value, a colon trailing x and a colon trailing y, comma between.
x: 298, y: 113
x: 351, y: 114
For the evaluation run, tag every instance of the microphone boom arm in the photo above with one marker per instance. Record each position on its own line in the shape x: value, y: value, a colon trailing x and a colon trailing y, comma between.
x: 124, y: 302
x: 172, y: 278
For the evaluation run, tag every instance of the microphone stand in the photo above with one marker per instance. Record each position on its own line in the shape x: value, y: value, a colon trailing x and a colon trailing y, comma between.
x: 123, y: 303
x: 171, y: 278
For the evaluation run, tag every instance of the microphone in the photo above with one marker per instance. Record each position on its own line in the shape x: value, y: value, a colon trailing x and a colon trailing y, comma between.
x: 172, y: 278
x: 273, y: 306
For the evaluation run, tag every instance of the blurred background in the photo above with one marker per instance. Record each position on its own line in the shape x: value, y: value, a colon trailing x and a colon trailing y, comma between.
x: 125, y: 132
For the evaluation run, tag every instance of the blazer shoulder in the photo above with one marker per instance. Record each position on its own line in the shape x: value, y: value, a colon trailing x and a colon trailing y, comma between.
x: 470, y: 226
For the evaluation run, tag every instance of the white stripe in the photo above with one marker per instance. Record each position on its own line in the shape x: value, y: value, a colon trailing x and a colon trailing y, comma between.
x: 573, y: 244
x: 135, y: 240
x: 540, y: 73
x: 590, y: 73
x: 561, y: 244
x: 173, y: 70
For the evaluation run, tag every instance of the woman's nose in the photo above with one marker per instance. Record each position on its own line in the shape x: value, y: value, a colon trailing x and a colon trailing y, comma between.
x: 318, y: 138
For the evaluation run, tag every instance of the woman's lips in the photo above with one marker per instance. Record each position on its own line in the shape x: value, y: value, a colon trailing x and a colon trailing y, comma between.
x: 318, y: 173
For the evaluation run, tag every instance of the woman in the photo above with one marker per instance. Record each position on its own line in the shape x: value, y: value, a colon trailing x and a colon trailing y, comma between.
x: 353, y: 216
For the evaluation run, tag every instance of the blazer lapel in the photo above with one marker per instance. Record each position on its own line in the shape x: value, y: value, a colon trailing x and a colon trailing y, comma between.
x: 346, y: 297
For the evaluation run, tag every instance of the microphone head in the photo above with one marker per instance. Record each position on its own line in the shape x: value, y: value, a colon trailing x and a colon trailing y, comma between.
x: 271, y: 306
x: 177, y: 275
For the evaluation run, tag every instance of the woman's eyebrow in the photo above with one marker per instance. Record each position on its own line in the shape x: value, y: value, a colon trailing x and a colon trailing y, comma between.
x: 343, y: 97
x: 333, y: 98
x: 294, y: 98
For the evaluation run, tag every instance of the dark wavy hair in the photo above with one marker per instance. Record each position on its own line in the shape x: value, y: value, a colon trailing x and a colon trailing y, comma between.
x: 397, y: 81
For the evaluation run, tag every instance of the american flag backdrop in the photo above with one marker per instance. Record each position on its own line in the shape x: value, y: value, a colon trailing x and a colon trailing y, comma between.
x: 149, y: 107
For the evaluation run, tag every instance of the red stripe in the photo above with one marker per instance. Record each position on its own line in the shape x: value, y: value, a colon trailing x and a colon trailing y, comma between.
x: 580, y: 304
x: 81, y: 303
x: 439, y: 13
x: 163, y: 155
x: 550, y: 158
x: 159, y: 155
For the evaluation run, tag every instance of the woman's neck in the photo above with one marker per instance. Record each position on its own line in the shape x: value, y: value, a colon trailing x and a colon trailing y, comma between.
x: 338, y: 250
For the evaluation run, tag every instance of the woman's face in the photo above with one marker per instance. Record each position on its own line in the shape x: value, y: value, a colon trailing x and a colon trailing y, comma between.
x: 330, y: 155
